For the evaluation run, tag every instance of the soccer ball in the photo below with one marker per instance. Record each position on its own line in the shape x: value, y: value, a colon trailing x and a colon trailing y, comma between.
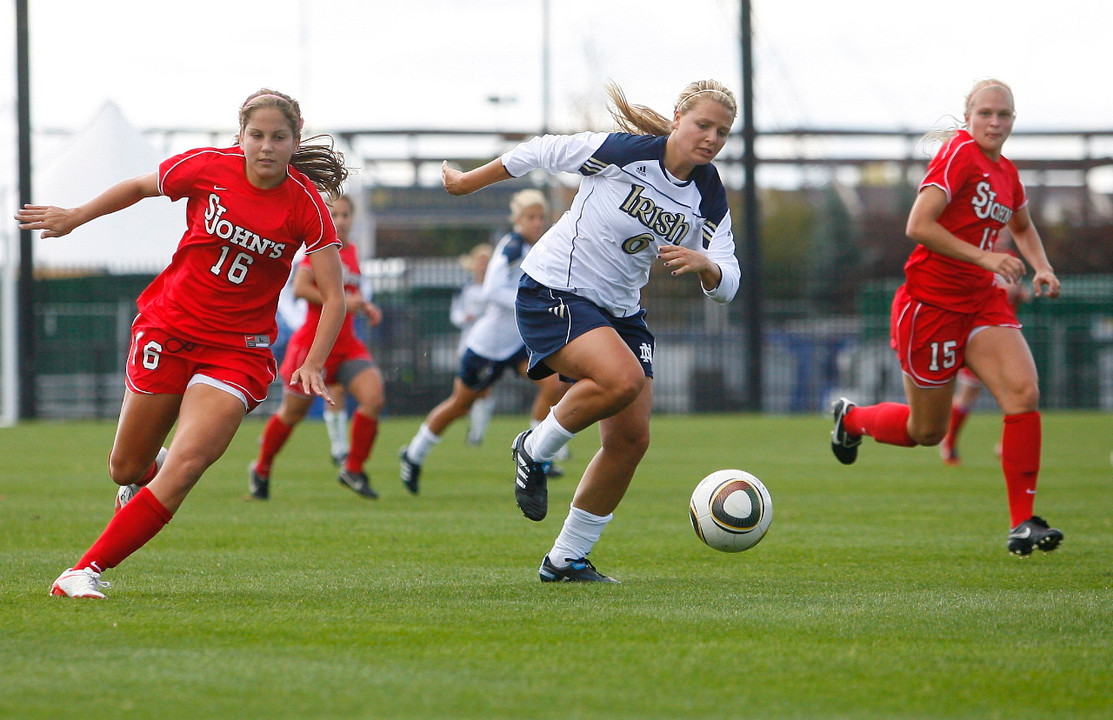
x: 730, y: 510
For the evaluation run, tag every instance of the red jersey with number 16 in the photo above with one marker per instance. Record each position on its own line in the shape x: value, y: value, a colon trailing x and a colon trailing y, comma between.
x: 982, y: 196
x: 221, y: 287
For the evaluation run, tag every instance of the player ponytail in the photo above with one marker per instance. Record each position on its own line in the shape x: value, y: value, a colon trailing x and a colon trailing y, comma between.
x: 635, y: 119
x: 642, y: 120
x: 322, y: 164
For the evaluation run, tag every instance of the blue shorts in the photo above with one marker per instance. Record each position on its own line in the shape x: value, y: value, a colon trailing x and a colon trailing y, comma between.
x: 479, y: 373
x: 550, y: 319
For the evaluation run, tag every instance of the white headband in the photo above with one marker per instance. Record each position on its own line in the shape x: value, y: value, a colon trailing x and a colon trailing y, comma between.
x: 698, y: 92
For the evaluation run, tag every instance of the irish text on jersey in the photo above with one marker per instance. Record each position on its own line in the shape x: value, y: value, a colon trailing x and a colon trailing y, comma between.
x: 671, y: 226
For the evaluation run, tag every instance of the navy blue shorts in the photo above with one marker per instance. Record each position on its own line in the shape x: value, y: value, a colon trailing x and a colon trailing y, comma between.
x: 479, y: 373
x: 550, y: 319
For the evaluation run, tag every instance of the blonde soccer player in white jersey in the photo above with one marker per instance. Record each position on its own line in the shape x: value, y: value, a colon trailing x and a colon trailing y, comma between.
x: 648, y: 194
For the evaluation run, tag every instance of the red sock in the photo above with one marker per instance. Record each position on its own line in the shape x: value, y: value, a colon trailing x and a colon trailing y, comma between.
x: 958, y: 419
x: 128, y: 530
x: 1020, y: 461
x: 364, y: 430
x: 885, y: 422
x: 274, y: 437
x: 149, y: 475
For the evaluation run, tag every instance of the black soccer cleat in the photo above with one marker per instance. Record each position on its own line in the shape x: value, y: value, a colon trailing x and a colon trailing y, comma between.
x: 408, y: 471
x: 1033, y: 534
x: 357, y: 483
x: 258, y: 485
x: 578, y: 570
x: 843, y: 444
x: 530, y: 481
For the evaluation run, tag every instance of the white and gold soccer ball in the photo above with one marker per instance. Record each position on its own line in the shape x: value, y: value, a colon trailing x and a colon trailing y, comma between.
x: 730, y: 510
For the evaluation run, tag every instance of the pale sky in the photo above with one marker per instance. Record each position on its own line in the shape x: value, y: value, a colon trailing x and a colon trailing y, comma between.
x: 435, y: 63
x: 400, y: 64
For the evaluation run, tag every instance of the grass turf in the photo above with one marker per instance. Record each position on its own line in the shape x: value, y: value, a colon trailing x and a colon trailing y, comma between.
x: 883, y: 590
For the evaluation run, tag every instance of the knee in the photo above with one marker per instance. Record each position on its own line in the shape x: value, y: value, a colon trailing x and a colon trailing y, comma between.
x: 629, y: 441
x: 125, y: 470
x: 370, y: 410
x: 371, y: 405
x: 927, y: 436
x: 1023, y: 399
x: 622, y: 390
x: 291, y: 416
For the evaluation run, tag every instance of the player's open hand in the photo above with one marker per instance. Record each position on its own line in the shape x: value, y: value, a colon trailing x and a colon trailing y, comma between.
x: 312, y: 382
x: 52, y: 221
x: 1045, y: 284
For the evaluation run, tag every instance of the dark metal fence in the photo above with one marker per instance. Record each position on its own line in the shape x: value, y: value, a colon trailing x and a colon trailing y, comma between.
x: 82, y: 335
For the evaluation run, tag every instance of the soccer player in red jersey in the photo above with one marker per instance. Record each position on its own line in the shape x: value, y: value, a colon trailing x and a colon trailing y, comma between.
x: 200, y: 354
x: 349, y: 365
x: 951, y: 312
x: 968, y: 386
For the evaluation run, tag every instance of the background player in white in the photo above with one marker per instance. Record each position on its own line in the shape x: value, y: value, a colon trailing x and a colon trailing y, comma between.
x: 649, y: 194
x: 493, y: 343
x: 200, y: 355
x: 468, y: 304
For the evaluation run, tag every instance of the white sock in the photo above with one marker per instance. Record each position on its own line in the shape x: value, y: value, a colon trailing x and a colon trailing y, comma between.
x: 336, y: 422
x: 547, y: 438
x: 422, y: 444
x: 578, y: 536
x: 479, y: 417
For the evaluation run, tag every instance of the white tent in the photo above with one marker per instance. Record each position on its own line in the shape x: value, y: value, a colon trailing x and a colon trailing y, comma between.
x: 140, y: 238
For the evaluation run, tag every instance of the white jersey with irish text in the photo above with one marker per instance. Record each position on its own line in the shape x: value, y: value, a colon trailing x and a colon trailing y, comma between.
x: 627, y: 207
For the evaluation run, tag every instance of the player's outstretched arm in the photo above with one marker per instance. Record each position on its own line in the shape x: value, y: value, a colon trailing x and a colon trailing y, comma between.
x: 56, y: 222
x: 457, y: 182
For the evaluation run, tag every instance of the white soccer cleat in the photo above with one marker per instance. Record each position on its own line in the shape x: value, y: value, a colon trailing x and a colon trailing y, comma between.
x: 83, y: 583
x: 125, y: 494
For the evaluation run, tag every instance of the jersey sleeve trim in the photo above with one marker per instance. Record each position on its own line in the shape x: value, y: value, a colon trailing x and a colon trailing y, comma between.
x: 171, y: 164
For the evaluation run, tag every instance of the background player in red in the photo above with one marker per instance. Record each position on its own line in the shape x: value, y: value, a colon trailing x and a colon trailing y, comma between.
x: 951, y: 312
x: 200, y: 353
x: 967, y: 384
x: 349, y: 365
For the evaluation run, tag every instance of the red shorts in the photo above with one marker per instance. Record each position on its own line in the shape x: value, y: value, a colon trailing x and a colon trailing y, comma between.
x: 159, y: 363
x: 931, y: 342
x: 347, y: 347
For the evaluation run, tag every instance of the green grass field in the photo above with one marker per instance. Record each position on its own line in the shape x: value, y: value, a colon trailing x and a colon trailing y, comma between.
x: 882, y: 590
